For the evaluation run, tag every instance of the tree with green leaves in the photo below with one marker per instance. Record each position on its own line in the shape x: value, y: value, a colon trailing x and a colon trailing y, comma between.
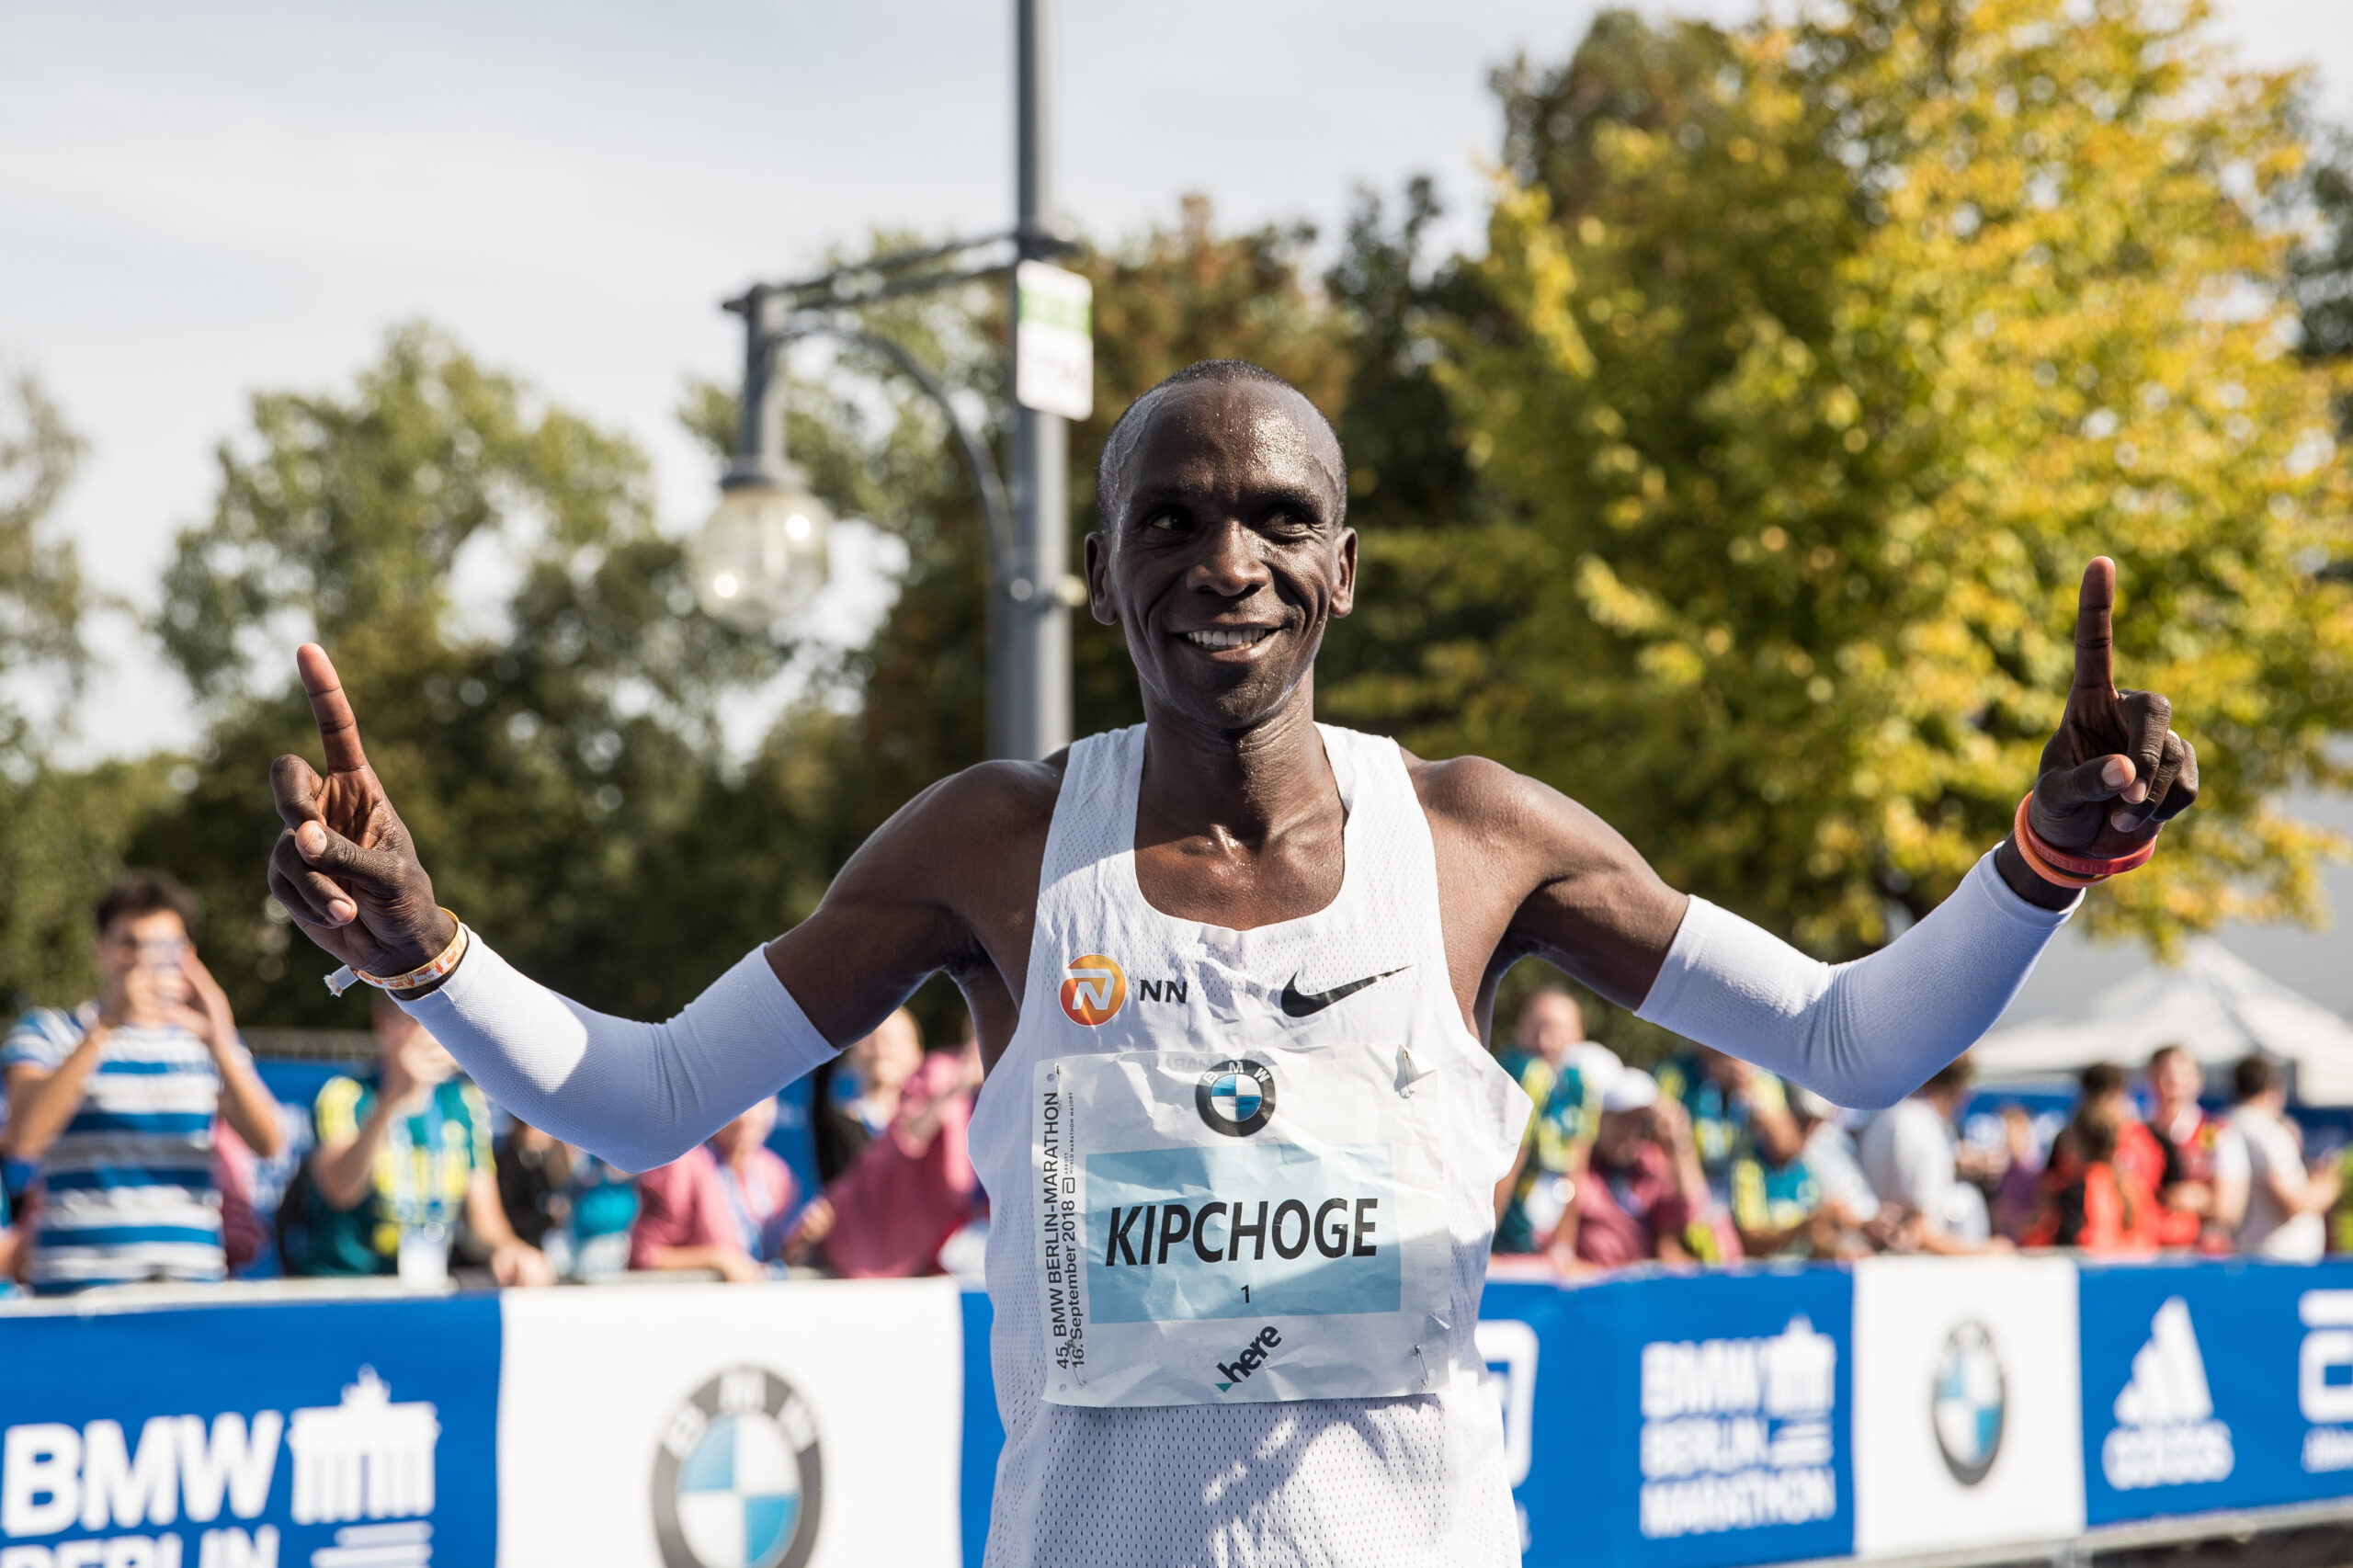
x: 1813, y: 359
x: 563, y: 728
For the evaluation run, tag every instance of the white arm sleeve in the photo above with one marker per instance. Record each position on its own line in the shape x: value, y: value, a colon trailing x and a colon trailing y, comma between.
x: 640, y: 1095
x: 1863, y: 1034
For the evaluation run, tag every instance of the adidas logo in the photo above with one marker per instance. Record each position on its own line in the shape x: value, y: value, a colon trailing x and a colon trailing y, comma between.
x: 2165, y: 1433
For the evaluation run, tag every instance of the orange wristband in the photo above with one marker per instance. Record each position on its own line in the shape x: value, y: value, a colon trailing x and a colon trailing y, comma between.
x: 2028, y: 845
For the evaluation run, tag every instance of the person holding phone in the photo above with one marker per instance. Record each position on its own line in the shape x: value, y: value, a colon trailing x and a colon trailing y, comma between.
x: 117, y: 1099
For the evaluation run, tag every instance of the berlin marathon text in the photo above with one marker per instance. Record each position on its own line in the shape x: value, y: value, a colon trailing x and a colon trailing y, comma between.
x: 1058, y: 1211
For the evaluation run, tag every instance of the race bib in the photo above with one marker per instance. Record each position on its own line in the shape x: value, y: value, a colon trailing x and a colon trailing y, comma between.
x: 1214, y: 1228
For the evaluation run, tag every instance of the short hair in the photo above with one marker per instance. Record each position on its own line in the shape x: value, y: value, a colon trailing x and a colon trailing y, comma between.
x: 2164, y: 1053
x: 2102, y: 1079
x: 143, y: 893
x: 2254, y: 1075
x: 1953, y: 1075
x: 1129, y: 424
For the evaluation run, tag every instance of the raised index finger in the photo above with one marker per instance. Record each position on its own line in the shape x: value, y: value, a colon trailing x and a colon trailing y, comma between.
x: 2095, y: 629
x: 338, y: 731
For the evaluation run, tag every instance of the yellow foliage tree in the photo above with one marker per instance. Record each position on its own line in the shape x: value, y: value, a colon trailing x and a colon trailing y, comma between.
x: 1819, y: 358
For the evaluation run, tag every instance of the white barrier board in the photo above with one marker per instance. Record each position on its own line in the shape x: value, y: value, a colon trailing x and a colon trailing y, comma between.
x: 800, y: 1425
x: 1968, y: 1421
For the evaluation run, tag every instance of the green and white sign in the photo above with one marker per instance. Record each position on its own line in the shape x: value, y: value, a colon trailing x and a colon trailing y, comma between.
x: 1053, y: 346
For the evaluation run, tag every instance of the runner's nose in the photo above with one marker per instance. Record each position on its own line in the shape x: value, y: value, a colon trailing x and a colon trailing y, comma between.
x: 1230, y: 566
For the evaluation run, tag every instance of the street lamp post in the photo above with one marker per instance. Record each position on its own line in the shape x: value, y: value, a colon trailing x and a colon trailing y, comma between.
x: 763, y: 553
x: 1037, y: 626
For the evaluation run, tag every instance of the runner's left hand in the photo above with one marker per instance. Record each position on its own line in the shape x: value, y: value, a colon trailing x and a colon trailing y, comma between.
x: 2115, y: 771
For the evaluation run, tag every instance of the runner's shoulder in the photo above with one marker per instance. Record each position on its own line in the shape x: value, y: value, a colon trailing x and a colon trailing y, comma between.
x: 1503, y: 812
x: 988, y: 806
x: 1482, y: 794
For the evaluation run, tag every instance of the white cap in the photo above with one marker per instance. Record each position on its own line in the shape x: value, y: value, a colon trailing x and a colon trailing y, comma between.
x: 1632, y: 1089
x: 1596, y: 1061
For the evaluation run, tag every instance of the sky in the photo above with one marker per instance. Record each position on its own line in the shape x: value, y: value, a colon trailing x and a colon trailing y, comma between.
x: 200, y: 202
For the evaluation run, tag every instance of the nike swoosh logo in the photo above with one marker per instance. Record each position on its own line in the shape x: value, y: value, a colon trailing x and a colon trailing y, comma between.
x: 1298, y: 1004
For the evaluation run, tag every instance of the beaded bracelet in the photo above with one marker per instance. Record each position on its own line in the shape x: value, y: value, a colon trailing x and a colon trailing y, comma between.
x: 423, y: 974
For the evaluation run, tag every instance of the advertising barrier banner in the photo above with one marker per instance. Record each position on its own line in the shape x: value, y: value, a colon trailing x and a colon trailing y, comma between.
x: 1684, y: 1421
x: 2216, y: 1385
x: 1966, y: 1416
x: 1688, y: 1422
x: 267, y: 1435
x: 797, y: 1425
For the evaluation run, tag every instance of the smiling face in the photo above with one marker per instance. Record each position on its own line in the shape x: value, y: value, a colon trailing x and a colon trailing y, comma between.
x: 1222, y: 553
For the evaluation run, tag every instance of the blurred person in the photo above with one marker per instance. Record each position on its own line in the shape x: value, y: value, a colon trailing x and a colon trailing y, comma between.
x: 1543, y: 1062
x: 403, y: 1158
x: 1909, y: 1152
x: 1740, y: 1117
x: 2285, y: 1199
x: 2018, y: 1194
x: 912, y: 1188
x: 1819, y: 1204
x: 720, y: 1206
x: 1644, y: 1197
x: 117, y: 1100
x: 12, y: 1239
x: 2201, y: 1153
x: 2098, y: 1194
x: 571, y: 1205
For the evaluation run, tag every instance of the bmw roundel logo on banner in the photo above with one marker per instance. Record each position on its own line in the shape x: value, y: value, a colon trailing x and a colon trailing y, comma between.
x: 1967, y: 1403
x: 1237, y: 1098
x: 738, y: 1477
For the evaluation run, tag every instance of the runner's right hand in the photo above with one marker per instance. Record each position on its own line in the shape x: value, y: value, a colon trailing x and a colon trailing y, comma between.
x: 344, y: 868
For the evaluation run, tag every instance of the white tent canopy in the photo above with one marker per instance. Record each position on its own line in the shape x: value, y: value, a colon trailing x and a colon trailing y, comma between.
x: 2214, y: 1003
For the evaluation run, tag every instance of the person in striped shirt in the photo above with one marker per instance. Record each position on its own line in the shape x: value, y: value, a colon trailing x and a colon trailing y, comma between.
x: 116, y: 1100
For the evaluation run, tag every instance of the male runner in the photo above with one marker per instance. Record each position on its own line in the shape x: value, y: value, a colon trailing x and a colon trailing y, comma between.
x: 1228, y: 970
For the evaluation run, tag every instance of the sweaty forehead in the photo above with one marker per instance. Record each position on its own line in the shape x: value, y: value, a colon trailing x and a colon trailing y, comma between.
x: 1226, y: 438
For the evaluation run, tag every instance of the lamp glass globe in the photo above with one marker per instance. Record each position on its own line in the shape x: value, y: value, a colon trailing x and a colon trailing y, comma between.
x: 763, y: 555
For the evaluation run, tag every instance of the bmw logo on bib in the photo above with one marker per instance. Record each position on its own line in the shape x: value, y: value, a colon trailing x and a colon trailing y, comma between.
x: 1237, y: 1098
x: 1968, y: 1404
x: 738, y: 1477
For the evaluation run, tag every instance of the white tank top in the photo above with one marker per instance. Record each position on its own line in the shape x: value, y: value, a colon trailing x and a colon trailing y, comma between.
x: 1313, y: 1077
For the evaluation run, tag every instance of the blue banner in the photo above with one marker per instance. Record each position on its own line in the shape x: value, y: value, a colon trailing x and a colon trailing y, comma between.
x: 1687, y: 1422
x: 236, y: 1435
x: 2215, y: 1385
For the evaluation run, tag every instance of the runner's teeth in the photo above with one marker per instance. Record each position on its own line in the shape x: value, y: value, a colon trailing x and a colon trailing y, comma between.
x: 1239, y: 638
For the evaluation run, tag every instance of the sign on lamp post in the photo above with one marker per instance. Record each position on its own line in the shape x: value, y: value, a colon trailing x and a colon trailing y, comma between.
x: 1053, y: 351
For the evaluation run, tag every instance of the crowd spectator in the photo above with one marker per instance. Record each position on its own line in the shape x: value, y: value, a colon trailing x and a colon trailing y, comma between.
x: 116, y: 1100
x: 572, y: 1205
x: 720, y: 1206
x: 2205, y: 1162
x: 1645, y: 1196
x: 2018, y: 1191
x: 2100, y: 1183
x: 1563, y: 1082
x: 1909, y: 1152
x: 858, y: 1093
x: 401, y: 1160
x: 1741, y: 1123
x: 1818, y: 1204
x: 913, y: 1186
x: 2285, y: 1200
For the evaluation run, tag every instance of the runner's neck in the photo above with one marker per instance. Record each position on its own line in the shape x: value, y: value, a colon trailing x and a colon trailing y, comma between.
x: 1244, y: 789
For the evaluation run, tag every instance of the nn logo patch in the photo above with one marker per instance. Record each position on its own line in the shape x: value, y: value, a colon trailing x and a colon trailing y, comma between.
x: 1097, y: 988
x: 1253, y: 1355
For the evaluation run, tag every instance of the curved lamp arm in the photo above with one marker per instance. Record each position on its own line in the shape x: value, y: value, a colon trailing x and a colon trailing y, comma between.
x: 995, y: 511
